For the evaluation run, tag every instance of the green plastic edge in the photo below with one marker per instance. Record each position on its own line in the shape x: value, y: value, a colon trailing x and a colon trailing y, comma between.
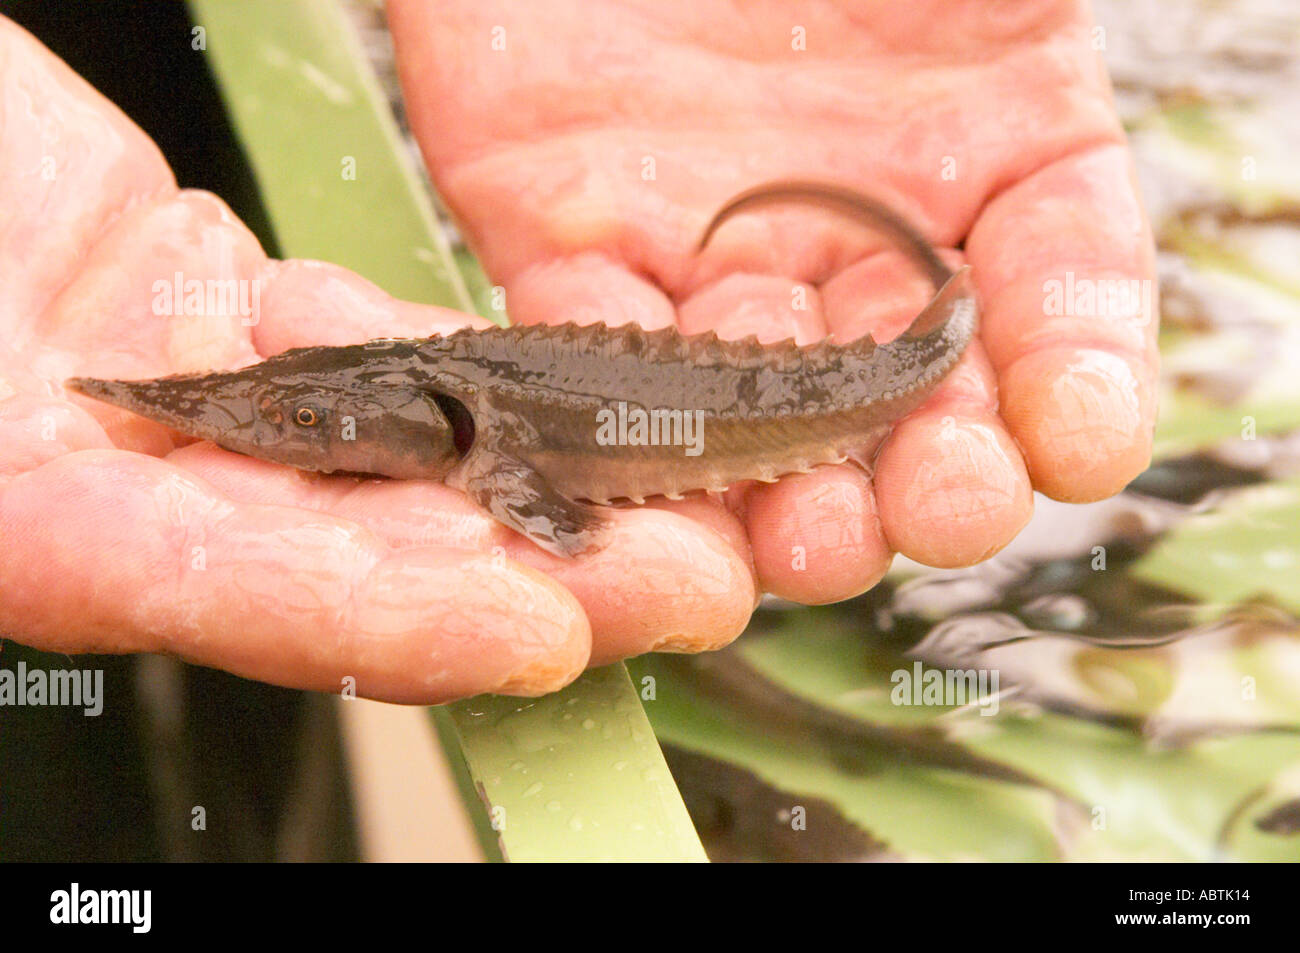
x: 576, y: 775
x: 325, y: 147
x: 301, y: 98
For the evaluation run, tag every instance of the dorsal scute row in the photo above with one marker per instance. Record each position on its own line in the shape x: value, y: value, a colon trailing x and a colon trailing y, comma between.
x: 663, y: 345
x: 741, y: 378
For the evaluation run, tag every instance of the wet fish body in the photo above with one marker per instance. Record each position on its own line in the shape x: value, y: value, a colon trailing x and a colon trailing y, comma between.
x: 537, y: 423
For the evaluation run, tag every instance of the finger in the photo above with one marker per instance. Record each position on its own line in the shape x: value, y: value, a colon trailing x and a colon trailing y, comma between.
x: 817, y: 537
x: 164, y: 562
x: 307, y: 303
x: 950, y: 483
x: 778, y: 309
x: 1065, y: 266
x: 667, y: 579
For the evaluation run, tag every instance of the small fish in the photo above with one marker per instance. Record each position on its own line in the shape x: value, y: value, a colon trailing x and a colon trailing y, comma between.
x: 540, y: 425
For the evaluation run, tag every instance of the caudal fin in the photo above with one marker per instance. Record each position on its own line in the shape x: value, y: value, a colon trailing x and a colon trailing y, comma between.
x: 840, y: 199
x: 955, y: 299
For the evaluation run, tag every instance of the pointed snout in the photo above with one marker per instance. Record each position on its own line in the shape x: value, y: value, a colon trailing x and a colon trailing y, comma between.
x: 202, y: 406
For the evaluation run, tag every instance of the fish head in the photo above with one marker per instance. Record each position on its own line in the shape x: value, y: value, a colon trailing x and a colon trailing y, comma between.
x: 322, y: 409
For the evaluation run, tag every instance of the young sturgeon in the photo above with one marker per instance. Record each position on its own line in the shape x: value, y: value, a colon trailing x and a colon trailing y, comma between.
x: 531, y: 420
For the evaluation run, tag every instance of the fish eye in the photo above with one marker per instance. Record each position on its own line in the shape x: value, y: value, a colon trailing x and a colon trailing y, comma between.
x: 306, y: 416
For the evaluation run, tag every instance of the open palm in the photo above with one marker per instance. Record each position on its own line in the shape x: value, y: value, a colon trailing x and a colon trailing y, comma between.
x: 116, y: 538
x: 585, y: 147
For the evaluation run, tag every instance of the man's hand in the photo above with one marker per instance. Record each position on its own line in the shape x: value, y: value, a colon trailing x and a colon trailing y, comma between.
x: 585, y: 147
x: 584, y: 158
x: 115, y: 539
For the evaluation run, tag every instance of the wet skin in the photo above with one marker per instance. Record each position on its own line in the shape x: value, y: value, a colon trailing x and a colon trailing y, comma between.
x: 510, y: 416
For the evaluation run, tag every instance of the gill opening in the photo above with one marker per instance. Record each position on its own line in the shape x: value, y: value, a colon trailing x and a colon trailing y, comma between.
x: 460, y: 419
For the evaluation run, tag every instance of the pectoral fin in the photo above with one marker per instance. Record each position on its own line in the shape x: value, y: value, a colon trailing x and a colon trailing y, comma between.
x: 521, y: 498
